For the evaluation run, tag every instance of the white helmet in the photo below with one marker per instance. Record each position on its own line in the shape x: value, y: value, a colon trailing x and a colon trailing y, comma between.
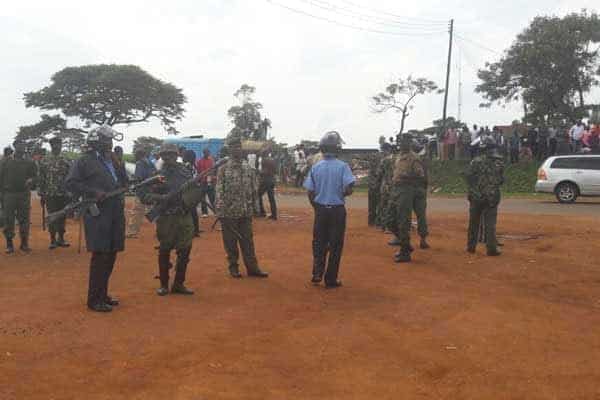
x: 103, y: 132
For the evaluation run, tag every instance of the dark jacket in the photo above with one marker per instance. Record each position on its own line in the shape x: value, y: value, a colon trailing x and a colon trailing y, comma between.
x: 88, y: 176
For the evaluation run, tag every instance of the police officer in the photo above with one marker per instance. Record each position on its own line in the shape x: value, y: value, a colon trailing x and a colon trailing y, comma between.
x: 17, y: 178
x: 53, y: 194
x: 420, y: 201
x: 328, y: 183
x: 174, y: 226
x: 236, y: 195
x: 96, y: 173
x: 484, y: 175
x: 144, y: 169
x: 266, y: 185
x: 407, y: 177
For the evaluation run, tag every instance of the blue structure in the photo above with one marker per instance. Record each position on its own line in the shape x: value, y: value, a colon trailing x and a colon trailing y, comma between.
x: 199, y: 144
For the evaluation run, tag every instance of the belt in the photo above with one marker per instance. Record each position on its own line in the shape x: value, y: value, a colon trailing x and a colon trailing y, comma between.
x: 330, y: 205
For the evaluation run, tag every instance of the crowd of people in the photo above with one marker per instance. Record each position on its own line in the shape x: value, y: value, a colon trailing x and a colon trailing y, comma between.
x: 523, y: 143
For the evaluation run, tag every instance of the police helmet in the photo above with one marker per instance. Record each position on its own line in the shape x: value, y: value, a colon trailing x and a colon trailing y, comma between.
x: 103, y: 133
x: 331, y: 141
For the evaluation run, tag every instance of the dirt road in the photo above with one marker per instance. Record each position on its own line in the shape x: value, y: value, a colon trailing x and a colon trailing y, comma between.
x: 449, y: 326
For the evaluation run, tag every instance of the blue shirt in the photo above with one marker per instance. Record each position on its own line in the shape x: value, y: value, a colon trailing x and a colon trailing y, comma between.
x: 109, y: 166
x: 328, y: 179
x: 144, y: 169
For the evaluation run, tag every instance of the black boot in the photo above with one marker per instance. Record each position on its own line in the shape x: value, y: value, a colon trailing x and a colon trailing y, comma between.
x: 25, y: 244
x: 163, y: 273
x: 424, y: 245
x: 10, y: 247
x: 53, y: 244
x: 183, y: 258
x: 403, y: 256
x: 61, y: 242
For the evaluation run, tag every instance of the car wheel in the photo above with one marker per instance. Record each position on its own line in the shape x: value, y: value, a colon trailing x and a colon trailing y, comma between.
x: 566, y: 192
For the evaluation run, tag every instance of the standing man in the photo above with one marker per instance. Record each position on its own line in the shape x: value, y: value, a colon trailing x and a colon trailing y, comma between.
x: 95, y: 174
x: 17, y: 178
x: 408, y: 180
x: 144, y: 169
x: 6, y: 154
x: 267, y: 185
x: 235, y: 206
x: 576, y: 134
x: 54, y: 169
x: 174, y: 226
x: 189, y: 161
x: 328, y: 183
x: 374, y: 182
x: 515, y: 147
x: 208, y: 182
x: 484, y: 176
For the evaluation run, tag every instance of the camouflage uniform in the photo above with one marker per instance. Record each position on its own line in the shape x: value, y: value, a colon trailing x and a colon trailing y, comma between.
x: 53, y: 173
x: 16, y: 196
x: 485, y: 175
x: 385, y: 172
x: 374, y: 188
x: 174, y: 227
x: 407, y: 182
x: 236, y: 196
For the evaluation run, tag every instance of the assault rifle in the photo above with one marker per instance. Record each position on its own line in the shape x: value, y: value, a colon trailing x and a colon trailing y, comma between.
x: 163, y: 205
x: 81, y: 206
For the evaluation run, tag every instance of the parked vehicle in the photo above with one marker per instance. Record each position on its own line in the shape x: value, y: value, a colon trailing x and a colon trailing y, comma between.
x: 569, y: 177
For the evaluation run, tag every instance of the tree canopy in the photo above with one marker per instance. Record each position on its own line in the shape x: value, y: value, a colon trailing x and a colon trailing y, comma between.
x: 33, y: 136
x: 110, y: 94
x: 246, y: 118
x: 551, y: 67
x: 399, y: 96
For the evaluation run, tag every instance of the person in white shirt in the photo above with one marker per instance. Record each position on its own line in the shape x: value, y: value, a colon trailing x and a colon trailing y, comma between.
x: 576, y: 134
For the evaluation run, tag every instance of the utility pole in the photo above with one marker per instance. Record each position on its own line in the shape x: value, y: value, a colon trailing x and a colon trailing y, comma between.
x: 451, y: 31
x: 459, y: 86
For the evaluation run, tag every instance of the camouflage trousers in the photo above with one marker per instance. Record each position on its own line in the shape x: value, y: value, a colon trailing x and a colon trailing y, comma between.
x: 136, y: 217
x: 482, y: 211
x: 403, y: 199
x: 175, y: 231
x: 374, y: 211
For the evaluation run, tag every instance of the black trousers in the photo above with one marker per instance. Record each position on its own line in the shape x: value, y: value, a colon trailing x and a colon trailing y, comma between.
x: 268, y: 188
x: 328, y: 240
x: 207, y: 191
x: 101, y: 267
x: 53, y: 204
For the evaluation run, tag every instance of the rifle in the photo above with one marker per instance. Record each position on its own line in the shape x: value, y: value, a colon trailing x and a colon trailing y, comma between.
x: 43, y: 204
x: 83, y: 205
x: 162, y: 206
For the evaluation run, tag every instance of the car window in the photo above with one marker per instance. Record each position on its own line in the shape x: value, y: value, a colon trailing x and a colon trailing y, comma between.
x: 592, y: 163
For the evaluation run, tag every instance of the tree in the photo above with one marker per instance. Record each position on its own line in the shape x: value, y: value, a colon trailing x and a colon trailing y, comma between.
x: 265, y: 125
x: 148, y: 144
x: 33, y: 136
x: 400, y: 96
x: 110, y: 94
x: 551, y: 67
x: 246, y: 119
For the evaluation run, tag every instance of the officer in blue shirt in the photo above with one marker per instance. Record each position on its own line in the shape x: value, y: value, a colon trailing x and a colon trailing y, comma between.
x: 328, y: 183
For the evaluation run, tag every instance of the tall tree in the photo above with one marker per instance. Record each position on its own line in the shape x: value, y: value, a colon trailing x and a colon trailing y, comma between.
x: 110, y: 94
x: 551, y: 67
x: 148, y: 144
x: 33, y: 136
x: 400, y: 97
x: 246, y: 119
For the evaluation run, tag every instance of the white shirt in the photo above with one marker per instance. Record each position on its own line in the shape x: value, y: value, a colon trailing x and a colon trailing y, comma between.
x: 577, y: 132
x: 474, y: 133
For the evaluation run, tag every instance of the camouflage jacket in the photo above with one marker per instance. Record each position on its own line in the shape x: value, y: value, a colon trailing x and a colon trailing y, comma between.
x: 52, y: 175
x: 236, y: 190
x: 384, y: 173
x: 409, y: 169
x: 485, y: 175
x: 374, y: 178
x: 175, y: 177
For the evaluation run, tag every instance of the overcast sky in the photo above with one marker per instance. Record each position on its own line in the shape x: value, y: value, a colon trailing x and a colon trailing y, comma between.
x: 310, y: 75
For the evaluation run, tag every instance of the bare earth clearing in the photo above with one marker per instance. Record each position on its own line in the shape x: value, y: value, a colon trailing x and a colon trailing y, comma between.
x: 448, y: 326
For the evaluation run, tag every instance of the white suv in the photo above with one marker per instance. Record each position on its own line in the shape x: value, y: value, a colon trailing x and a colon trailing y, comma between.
x: 569, y: 177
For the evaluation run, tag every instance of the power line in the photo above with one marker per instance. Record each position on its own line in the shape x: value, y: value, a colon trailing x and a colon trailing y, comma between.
x: 393, y: 15
x: 362, y: 17
x: 477, y: 44
x: 350, y: 26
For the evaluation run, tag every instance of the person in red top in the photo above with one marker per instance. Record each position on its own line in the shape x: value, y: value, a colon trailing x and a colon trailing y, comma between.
x: 208, y: 182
